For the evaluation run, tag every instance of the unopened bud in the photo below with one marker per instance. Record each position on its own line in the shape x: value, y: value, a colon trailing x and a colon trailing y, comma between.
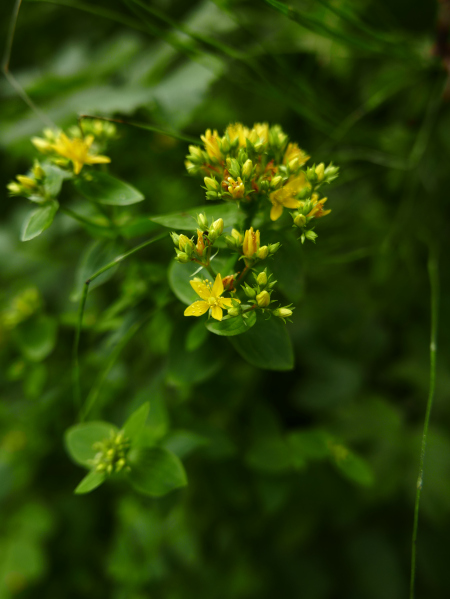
x: 274, y: 247
x: 237, y: 236
x: 195, y: 154
x: 282, y: 312
x: 249, y: 291
x: 311, y: 174
x: 202, y: 221
x: 276, y: 181
x: 311, y: 236
x: 38, y: 171
x: 263, y: 299
x: 247, y: 169
x: 14, y: 188
x: 263, y: 252
x: 211, y: 184
x: 175, y: 239
x: 261, y: 279
x: 212, y: 195
x: 300, y: 220
x: 200, y: 246
x: 182, y: 257
x: 185, y: 243
x: 27, y: 182
x: 320, y: 170
x: 234, y: 311
x: 218, y: 226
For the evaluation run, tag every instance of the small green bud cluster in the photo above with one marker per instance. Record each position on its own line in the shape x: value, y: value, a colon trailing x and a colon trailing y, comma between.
x: 317, y: 175
x: 111, y: 454
x: 31, y: 185
x: 283, y: 312
x: 188, y: 250
x: 261, y: 291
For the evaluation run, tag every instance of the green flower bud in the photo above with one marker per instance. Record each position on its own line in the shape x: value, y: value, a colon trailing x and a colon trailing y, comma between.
x: 261, y: 279
x: 14, y: 188
x: 311, y: 174
x: 202, y: 221
x: 211, y: 184
x: 247, y: 169
x: 184, y: 243
x: 175, y: 239
x: 282, y: 312
x: 300, y: 220
x: 274, y: 247
x: 218, y: 226
x: 226, y: 145
x: 182, y: 257
x: 263, y: 252
x: 320, y: 171
x: 242, y: 156
x: 195, y: 154
x: 331, y: 173
x: 263, y: 299
x: 231, y: 242
x: 276, y: 181
x: 304, y: 193
x: 311, y: 236
x: 249, y: 291
x: 38, y: 171
x: 234, y: 311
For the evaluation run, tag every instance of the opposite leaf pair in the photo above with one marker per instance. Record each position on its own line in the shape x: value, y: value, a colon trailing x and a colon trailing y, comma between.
x: 108, y: 451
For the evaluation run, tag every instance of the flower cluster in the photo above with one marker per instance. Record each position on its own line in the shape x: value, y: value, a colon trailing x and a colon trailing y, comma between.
x: 111, y: 453
x: 67, y: 152
x: 261, y: 165
x: 264, y: 173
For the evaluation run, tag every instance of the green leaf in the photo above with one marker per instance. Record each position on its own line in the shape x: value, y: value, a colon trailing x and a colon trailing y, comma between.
x: 54, y: 177
x: 182, y: 443
x: 308, y: 445
x: 180, y: 276
x: 231, y: 326
x: 39, y: 220
x: 105, y: 189
x: 185, y: 221
x: 36, y: 337
x: 188, y: 368
x: 90, y: 482
x: 196, y: 336
x: 266, y: 345
x: 269, y: 454
x: 353, y: 467
x: 136, y: 422
x: 155, y: 471
x: 81, y: 438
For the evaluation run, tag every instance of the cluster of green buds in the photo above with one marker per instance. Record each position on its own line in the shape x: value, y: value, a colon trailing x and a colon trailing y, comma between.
x: 260, y: 165
x: 111, y: 454
x: 32, y: 185
x: 260, y: 293
x: 248, y: 244
x: 189, y: 250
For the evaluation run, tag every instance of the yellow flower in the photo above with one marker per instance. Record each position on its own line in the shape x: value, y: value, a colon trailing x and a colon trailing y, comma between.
x: 294, y: 153
x: 238, y: 131
x: 251, y: 242
x: 77, y: 151
x: 236, y: 188
x: 317, y: 206
x: 211, y: 299
x: 211, y: 141
x: 260, y: 132
x: 285, y: 196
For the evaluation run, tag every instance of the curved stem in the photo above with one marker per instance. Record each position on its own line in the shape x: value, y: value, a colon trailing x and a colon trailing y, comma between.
x: 433, y: 273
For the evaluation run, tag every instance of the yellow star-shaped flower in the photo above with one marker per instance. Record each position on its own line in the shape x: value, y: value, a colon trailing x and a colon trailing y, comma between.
x: 285, y: 196
x: 76, y: 150
x: 211, y: 299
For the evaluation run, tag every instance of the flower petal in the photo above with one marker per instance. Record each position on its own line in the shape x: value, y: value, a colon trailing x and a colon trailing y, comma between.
x: 217, y: 287
x: 291, y: 203
x: 197, y: 309
x: 276, y: 212
x: 201, y: 289
x: 97, y: 159
x: 217, y: 313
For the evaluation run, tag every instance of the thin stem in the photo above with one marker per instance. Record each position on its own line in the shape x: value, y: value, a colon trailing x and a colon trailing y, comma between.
x: 433, y: 273
x: 10, y: 77
x: 174, y: 134
x: 76, y: 363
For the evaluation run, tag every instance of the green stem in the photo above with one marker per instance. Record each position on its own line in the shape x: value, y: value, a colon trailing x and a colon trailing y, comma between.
x: 433, y: 273
x: 76, y: 363
x: 82, y: 219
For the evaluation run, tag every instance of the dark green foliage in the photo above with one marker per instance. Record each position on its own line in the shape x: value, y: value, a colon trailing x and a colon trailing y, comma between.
x: 301, y: 459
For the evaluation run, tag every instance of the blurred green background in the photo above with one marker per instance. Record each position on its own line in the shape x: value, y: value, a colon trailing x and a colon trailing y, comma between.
x: 363, y: 84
